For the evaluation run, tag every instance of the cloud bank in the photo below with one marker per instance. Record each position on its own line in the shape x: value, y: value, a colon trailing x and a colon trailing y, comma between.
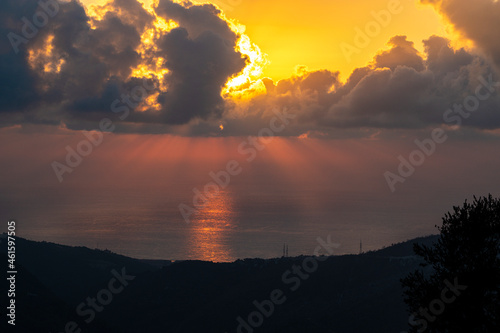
x: 75, y: 65
x: 165, y: 70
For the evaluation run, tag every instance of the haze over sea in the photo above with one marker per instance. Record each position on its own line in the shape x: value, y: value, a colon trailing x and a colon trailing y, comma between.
x: 247, y: 219
x: 293, y: 192
x: 230, y: 226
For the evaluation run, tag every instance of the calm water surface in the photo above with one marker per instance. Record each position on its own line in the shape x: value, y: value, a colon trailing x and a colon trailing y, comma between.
x: 233, y: 224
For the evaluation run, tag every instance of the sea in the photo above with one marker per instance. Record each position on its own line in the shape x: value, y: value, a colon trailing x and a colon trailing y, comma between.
x: 227, y: 225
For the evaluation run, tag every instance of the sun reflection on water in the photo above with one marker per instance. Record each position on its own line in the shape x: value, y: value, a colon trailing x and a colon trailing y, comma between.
x: 211, y: 229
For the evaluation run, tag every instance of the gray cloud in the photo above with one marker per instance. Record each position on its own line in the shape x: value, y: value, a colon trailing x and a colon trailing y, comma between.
x: 399, y: 89
x: 95, y: 64
x: 199, y: 68
x: 476, y: 20
x: 402, y: 53
x: 18, y: 82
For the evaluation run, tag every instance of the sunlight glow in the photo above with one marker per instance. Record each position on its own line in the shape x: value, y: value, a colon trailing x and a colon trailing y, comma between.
x: 211, y: 228
x: 243, y: 85
x: 148, y: 46
x: 149, y: 37
x: 44, y: 58
x: 248, y: 80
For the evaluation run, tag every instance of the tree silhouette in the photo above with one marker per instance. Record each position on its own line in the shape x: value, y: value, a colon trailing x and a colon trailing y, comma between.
x: 457, y: 289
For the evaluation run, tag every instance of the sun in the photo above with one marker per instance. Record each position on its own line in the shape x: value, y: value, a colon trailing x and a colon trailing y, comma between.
x: 243, y: 85
x: 248, y: 80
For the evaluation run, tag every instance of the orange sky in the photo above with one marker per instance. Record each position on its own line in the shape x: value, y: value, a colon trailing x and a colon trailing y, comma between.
x: 310, y: 33
x: 338, y: 136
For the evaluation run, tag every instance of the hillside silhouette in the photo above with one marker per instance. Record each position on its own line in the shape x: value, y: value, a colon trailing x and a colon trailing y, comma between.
x: 348, y: 293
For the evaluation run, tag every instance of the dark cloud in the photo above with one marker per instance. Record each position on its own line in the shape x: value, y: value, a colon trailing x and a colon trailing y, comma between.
x: 477, y: 20
x: 200, y: 57
x: 94, y: 63
x: 383, y: 98
x: 18, y: 82
x: 402, y: 53
x: 196, y: 19
x: 199, y: 68
x: 131, y: 11
x: 442, y: 59
x: 86, y: 75
x: 400, y: 89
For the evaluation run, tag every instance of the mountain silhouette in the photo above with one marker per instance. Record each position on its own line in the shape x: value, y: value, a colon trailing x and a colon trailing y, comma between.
x: 348, y: 293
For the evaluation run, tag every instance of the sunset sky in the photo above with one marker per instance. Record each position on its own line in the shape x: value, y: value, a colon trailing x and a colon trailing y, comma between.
x: 341, y: 66
x: 339, y: 90
x: 309, y: 33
